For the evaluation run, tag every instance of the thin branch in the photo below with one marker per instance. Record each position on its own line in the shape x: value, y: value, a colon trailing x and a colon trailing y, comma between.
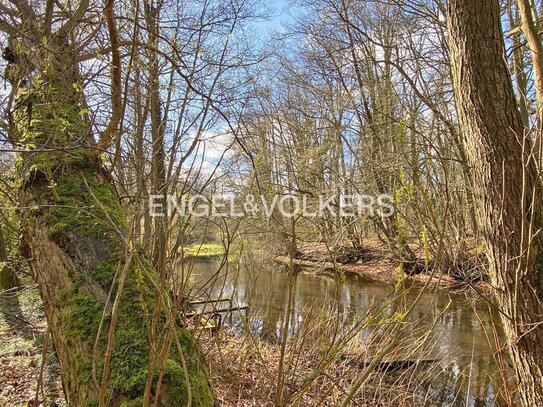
x: 9, y: 11
x: 106, y: 50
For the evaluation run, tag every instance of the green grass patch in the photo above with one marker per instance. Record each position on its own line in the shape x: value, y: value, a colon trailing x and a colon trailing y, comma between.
x: 203, y: 250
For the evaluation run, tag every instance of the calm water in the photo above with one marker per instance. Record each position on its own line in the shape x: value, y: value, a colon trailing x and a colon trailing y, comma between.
x: 457, y: 323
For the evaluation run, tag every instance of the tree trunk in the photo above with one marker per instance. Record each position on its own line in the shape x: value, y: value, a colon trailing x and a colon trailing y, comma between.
x: 158, y: 123
x: 75, y: 237
x: 8, y: 277
x: 507, y: 189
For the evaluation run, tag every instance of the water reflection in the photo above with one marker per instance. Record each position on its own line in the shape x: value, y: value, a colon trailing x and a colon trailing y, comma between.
x: 461, y: 328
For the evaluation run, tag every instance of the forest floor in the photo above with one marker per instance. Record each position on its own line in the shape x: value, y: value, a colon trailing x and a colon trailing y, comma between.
x: 22, y: 329
x: 374, y: 264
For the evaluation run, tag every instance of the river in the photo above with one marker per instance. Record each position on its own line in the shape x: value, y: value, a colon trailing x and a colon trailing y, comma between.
x: 463, y: 329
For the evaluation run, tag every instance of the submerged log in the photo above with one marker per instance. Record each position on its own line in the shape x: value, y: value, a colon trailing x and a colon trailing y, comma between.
x: 388, y: 365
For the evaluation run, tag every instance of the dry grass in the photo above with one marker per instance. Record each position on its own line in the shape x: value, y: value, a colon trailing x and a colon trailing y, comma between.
x: 244, y: 370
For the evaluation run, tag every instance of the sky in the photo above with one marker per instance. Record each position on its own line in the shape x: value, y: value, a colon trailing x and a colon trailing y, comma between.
x: 279, y: 15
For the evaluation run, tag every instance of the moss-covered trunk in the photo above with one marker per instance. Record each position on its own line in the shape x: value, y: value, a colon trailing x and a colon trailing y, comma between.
x: 74, y: 235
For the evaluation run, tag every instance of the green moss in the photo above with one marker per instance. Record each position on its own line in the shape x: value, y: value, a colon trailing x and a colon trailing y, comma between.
x: 133, y: 403
x: 46, y: 109
x: 80, y: 320
x: 83, y: 314
x: 130, y: 355
x: 86, y: 205
x: 105, y: 271
x: 130, y: 360
x: 174, y: 377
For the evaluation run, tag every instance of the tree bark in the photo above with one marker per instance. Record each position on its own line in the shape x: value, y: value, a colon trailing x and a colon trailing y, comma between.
x: 507, y: 189
x: 8, y: 277
x: 76, y: 240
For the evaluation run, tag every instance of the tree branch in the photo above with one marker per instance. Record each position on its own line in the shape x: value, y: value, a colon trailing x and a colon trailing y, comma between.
x: 106, y: 50
x: 9, y: 11
x: 76, y: 16
x: 116, y: 100
x: 48, y: 17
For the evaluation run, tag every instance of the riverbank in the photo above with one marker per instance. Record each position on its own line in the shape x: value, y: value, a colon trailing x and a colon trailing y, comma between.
x: 245, y: 367
x: 374, y: 266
